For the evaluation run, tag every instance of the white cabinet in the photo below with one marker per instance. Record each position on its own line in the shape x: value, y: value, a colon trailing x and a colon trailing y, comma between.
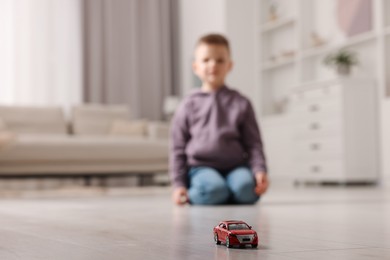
x: 334, y: 131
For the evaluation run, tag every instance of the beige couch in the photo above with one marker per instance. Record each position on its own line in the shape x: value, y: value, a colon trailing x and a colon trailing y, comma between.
x: 95, y: 140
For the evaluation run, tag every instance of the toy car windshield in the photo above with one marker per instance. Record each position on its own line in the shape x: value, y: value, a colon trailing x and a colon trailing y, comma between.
x: 240, y: 226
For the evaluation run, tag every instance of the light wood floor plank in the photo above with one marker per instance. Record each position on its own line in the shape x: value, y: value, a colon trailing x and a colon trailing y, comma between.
x: 305, y: 223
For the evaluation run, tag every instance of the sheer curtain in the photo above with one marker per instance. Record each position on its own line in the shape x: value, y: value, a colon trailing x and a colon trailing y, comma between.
x: 70, y: 51
x: 128, y: 53
x: 40, y: 52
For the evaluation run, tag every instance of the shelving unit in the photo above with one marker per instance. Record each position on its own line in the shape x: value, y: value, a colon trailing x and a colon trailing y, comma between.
x: 276, y: 65
x: 278, y: 53
x: 290, y: 46
x: 310, y: 30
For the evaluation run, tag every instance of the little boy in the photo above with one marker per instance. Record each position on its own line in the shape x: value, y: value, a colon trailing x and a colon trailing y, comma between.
x: 216, y: 152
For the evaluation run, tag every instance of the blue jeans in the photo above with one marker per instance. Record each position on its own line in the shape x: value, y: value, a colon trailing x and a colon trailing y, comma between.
x: 210, y: 187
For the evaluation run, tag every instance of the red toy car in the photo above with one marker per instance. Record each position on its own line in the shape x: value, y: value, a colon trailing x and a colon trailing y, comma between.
x: 235, y: 232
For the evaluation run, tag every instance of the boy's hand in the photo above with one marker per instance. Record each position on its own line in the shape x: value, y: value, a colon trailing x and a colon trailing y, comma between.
x: 261, y: 183
x: 180, y: 196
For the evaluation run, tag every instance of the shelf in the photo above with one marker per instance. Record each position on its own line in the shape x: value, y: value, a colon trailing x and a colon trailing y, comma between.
x: 277, y: 64
x: 361, y: 38
x: 278, y: 24
x: 319, y: 83
x: 309, y: 84
x: 355, y: 40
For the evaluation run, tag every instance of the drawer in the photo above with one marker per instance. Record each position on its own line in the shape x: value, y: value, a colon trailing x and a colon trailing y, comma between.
x: 318, y: 128
x: 318, y: 148
x: 320, y: 108
x: 320, y: 170
x: 325, y: 92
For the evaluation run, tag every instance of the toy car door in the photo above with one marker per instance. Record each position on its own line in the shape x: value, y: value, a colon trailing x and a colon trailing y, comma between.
x: 222, y: 232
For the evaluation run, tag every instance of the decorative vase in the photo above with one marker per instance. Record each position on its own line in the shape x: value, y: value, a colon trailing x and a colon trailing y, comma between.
x: 272, y: 13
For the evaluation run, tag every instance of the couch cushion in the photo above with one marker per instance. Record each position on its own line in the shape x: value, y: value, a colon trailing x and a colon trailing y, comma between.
x: 94, y: 119
x: 133, y: 128
x: 158, y: 130
x: 54, y: 148
x: 31, y: 119
x: 3, y: 126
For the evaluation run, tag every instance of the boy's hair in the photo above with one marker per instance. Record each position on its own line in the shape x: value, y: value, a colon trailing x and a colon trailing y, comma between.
x: 214, y: 38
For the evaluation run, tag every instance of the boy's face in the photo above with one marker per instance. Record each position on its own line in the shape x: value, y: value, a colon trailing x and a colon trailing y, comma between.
x: 212, y: 63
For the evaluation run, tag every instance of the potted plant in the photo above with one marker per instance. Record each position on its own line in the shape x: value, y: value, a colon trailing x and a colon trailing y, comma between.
x: 343, y: 60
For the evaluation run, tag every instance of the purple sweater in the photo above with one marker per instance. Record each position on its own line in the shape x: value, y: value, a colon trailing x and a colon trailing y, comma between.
x: 215, y: 129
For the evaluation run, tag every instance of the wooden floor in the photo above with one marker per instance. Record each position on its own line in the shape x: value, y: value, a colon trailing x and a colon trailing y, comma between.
x: 305, y: 223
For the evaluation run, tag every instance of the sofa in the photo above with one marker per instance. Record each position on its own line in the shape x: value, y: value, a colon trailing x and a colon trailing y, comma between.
x: 92, y: 140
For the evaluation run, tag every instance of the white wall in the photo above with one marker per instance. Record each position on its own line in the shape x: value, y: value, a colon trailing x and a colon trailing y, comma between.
x: 196, y: 19
x: 236, y: 20
x: 240, y: 28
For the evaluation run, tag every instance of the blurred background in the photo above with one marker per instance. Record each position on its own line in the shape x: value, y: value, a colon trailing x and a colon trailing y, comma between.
x: 317, y: 72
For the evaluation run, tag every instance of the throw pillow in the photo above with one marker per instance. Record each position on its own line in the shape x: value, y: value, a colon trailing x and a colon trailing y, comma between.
x: 136, y: 128
x: 97, y: 119
x: 6, y: 136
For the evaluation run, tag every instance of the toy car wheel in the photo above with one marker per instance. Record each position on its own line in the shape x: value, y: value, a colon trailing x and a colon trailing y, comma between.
x: 216, y: 239
x: 254, y: 245
x: 228, y: 242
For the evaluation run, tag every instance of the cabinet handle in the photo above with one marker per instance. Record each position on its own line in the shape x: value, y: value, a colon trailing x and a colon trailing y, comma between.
x: 314, y: 126
x: 315, y: 146
x: 315, y: 169
x: 314, y: 108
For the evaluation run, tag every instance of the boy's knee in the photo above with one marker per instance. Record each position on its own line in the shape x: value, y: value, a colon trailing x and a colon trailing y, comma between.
x: 211, y: 195
x: 243, y: 186
x: 244, y: 193
x: 220, y: 193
